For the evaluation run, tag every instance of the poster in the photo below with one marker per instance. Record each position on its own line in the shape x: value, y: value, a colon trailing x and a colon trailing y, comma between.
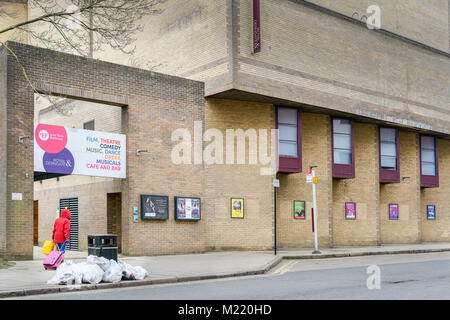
x: 431, y: 212
x: 66, y: 150
x: 237, y: 208
x: 299, y: 210
x: 393, y: 211
x: 187, y: 208
x: 154, y: 207
x: 350, y: 211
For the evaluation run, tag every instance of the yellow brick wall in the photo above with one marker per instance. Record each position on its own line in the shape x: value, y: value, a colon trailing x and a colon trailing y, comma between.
x: 316, y: 151
x: 12, y: 13
x: 423, y: 21
x: 318, y: 59
x: 438, y: 230
x: 223, y: 182
x: 363, y: 190
x: 406, y: 194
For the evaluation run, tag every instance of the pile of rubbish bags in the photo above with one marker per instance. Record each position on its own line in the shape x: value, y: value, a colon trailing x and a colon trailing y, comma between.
x: 95, y: 270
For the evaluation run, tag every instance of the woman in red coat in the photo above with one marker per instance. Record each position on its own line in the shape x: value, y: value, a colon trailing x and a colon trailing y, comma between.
x: 61, y: 230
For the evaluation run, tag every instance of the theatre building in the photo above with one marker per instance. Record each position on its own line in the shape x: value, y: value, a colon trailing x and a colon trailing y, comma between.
x: 367, y: 107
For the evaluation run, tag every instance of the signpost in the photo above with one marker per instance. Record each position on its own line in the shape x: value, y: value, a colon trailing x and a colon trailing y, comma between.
x: 276, y: 184
x: 311, y: 178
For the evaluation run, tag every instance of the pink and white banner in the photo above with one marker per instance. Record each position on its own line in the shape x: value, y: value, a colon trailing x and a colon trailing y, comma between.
x: 65, y: 150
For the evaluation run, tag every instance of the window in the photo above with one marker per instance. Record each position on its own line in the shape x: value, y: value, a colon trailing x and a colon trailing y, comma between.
x: 343, y: 149
x: 89, y: 125
x: 429, y: 168
x: 288, y: 122
x: 389, y: 156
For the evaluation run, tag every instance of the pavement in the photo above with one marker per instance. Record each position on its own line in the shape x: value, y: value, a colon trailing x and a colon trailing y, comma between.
x: 29, y: 277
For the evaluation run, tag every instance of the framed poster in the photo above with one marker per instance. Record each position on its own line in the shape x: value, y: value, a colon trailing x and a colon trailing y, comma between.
x: 187, y: 208
x: 431, y: 212
x: 393, y: 211
x: 154, y: 207
x: 237, y: 208
x: 350, y: 211
x: 299, y: 210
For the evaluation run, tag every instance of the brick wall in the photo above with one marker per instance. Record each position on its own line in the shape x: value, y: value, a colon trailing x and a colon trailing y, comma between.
x: 423, y: 21
x: 363, y: 190
x: 153, y: 106
x: 314, y: 58
x: 16, y: 11
x: 406, y: 194
x: 223, y: 182
x: 316, y: 151
x: 438, y: 230
x: 92, y: 208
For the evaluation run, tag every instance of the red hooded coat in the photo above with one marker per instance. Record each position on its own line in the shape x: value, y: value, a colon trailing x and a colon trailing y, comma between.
x: 61, y: 229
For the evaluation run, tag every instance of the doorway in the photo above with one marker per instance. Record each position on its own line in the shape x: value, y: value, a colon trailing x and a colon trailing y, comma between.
x: 114, y: 216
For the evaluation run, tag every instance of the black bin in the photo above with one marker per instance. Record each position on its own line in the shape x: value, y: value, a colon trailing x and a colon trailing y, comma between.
x: 103, y: 245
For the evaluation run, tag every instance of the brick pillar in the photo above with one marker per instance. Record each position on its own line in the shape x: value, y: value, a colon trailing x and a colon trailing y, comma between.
x: 316, y: 144
x: 364, y: 190
x: 17, y: 239
x: 406, y: 194
x: 3, y: 175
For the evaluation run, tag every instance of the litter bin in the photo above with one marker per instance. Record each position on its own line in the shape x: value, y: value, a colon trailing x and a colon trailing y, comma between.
x: 103, y: 245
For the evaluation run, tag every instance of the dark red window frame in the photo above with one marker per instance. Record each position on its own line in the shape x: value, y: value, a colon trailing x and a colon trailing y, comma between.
x: 343, y: 171
x: 291, y: 164
x: 427, y: 181
x: 386, y: 175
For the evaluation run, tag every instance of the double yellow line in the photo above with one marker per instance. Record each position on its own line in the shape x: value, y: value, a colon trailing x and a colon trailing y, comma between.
x: 286, y: 268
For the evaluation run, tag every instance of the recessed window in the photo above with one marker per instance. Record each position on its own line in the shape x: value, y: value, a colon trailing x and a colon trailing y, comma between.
x: 289, y: 139
x: 389, y: 155
x: 429, y: 169
x: 343, y: 150
x: 90, y: 125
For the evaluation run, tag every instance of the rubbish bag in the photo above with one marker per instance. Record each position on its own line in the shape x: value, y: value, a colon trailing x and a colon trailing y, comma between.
x: 113, y: 273
x: 127, y: 270
x: 48, y: 247
x: 140, y: 273
x: 100, y: 261
x: 66, y: 273
x: 91, y: 272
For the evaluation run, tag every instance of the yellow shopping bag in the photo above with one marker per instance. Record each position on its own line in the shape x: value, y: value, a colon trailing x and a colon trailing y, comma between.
x: 48, y: 247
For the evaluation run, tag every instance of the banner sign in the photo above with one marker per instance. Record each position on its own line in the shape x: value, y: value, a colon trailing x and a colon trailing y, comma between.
x: 66, y: 150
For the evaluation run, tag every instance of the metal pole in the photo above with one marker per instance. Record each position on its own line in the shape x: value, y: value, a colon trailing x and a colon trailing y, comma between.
x: 275, y: 219
x: 316, y: 222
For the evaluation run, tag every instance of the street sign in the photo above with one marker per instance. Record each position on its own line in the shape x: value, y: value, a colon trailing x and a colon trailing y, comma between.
x: 315, y: 180
x: 276, y: 183
x: 309, y: 176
